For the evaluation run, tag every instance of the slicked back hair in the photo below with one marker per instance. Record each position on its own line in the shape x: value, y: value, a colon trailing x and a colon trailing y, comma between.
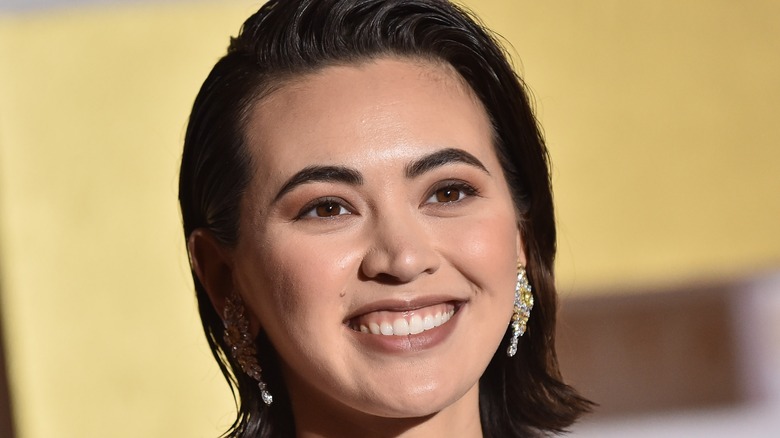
x: 520, y: 396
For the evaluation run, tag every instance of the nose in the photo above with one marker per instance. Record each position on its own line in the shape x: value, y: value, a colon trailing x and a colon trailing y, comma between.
x: 402, y: 249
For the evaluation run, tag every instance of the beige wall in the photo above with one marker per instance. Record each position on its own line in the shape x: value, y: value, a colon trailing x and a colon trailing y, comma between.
x: 660, y: 118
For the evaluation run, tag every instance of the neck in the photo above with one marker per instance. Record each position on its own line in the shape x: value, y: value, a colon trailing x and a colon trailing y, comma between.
x: 461, y: 419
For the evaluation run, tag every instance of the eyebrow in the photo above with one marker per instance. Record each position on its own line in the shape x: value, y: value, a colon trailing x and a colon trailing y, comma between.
x: 443, y: 158
x: 351, y: 176
x: 321, y: 174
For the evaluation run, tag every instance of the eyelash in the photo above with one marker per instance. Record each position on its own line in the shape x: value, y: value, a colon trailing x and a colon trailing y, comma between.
x: 465, y: 189
x: 310, y: 209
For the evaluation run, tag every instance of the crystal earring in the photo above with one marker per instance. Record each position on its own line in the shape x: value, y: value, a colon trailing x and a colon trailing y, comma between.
x: 524, y: 302
x: 241, y: 344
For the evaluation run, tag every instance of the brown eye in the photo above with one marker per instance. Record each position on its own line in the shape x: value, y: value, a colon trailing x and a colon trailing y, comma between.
x: 448, y: 194
x: 451, y: 193
x: 328, y: 209
x: 325, y: 208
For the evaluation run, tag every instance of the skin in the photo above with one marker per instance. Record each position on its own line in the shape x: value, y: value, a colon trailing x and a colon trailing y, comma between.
x: 313, y: 254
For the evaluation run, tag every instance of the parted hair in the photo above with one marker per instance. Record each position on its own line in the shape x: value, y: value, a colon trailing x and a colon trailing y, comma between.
x: 522, y: 396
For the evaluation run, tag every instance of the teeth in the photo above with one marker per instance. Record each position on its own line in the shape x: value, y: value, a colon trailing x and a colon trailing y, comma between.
x: 415, y: 325
x: 428, y: 322
x: 386, y: 329
x: 400, y: 327
x: 404, y: 325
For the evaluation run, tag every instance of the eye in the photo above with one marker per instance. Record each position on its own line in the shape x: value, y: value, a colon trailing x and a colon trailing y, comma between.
x: 450, y: 192
x: 323, y: 208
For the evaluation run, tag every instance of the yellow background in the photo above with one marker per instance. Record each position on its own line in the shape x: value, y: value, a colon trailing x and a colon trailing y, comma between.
x: 661, y: 118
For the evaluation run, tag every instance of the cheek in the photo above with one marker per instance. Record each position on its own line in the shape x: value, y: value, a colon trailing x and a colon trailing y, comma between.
x: 302, y: 291
x: 487, y: 251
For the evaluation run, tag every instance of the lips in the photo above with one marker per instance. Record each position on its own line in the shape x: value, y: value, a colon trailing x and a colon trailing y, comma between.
x: 404, y: 322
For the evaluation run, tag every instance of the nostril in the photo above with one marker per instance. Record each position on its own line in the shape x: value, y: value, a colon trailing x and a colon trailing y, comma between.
x: 387, y: 279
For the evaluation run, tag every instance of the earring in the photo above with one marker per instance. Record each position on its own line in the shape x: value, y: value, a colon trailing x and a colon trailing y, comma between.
x: 241, y: 345
x: 524, y: 302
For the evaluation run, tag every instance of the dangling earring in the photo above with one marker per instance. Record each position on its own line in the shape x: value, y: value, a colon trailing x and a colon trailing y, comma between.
x: 524, y: 302
x: 241, y: 345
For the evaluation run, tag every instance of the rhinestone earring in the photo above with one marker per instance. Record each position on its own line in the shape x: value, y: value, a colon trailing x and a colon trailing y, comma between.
x: 241, y: 344
x: 524, y: 302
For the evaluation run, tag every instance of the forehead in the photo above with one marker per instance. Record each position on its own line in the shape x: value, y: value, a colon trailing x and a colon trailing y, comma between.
x: 363, y: 113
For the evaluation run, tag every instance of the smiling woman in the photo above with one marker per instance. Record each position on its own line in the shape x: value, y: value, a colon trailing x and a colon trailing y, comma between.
x: 366, y: 199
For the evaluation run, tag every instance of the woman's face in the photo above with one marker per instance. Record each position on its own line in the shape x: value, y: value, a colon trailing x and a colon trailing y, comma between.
x: 378, y: 240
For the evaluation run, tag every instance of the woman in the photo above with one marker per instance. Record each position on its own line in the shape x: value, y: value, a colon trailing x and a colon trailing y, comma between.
x: 366, y: 199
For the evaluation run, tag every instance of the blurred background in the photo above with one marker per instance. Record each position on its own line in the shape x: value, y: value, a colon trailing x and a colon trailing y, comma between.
x: 661, y: 119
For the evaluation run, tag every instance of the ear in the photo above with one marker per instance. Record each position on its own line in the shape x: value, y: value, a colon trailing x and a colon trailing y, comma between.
x: 212, y: 265
x: 521, y: 247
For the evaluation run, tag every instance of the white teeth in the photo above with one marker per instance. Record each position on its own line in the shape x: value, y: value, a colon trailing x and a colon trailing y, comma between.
x: 405, y: 325
x: 415, y: 325
x: 400, y: 327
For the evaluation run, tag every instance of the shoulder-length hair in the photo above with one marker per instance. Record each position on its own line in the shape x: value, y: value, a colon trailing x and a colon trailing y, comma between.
x: 518, y: 397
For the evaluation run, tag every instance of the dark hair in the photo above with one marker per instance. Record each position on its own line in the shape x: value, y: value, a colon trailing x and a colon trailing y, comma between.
x: 520, y: 396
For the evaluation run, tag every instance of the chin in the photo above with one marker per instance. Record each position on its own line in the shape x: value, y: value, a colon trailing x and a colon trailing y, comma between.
x: 417, y: 403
